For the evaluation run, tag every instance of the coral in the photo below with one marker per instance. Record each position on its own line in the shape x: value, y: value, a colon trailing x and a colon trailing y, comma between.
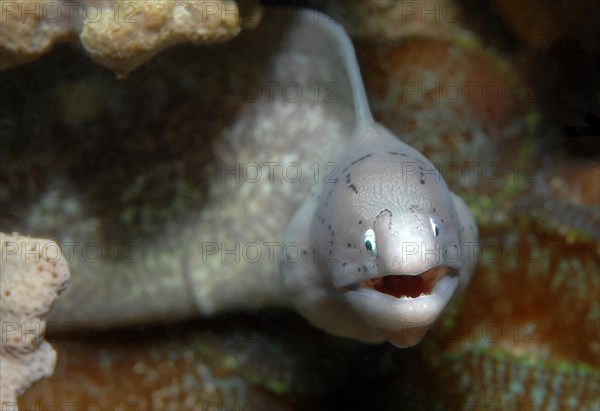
x: 528, y: 334
x: 28, y: 29
x: 121, y: 35
x: 129, y: 33
x: 575, y: 180
x: 390, y: 20
x: 33, y: 273
x: 187, y: 367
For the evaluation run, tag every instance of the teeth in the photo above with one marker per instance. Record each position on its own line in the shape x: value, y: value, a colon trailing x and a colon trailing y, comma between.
x: 408, y: 286
x: 393, y: 314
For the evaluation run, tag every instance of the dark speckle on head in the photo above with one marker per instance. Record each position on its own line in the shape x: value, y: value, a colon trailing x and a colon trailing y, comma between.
x: 396, y: 154
x: 414, y: 208
x: 385, y: 211
x: 357, y: 161
x: 421, y: 164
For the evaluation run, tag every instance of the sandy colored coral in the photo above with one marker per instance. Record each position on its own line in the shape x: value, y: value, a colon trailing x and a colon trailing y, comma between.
x: 33, y: 274
x: 126, y: 34
x: 30, y: 28
x: 121, y: 35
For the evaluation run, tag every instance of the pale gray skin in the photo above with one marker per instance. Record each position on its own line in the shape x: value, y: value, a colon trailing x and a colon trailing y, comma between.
x: 382, y: 185
x: 389, y: 196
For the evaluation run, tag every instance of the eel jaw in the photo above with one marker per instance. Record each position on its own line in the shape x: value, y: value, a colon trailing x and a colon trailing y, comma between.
x: 407, y: 286
x: 403, y: 307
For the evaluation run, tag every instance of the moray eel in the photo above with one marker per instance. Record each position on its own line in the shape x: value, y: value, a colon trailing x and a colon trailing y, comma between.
x: 348, y: 225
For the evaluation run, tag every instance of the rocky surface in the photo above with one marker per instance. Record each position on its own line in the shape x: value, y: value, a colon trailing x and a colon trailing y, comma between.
x: 121, y: 35
x: 33, y: 273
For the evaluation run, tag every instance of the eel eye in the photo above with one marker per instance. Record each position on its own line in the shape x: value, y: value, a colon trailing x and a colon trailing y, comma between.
x: 370, y: 244
x: 435, y: 226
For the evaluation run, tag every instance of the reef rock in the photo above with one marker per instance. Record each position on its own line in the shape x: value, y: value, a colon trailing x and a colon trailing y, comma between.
x: 121, y: 35
x: 127, y: 34
x: 30, y: 28
x: 33, y: 274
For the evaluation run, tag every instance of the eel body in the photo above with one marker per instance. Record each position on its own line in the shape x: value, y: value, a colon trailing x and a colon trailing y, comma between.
x: 333, y: 215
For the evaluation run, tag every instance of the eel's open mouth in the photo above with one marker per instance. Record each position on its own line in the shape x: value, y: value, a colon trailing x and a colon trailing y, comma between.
x: 403, y: 307
x: 408, y: 285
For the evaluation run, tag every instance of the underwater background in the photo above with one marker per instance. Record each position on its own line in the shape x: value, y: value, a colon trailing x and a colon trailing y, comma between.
x: 502, y: 96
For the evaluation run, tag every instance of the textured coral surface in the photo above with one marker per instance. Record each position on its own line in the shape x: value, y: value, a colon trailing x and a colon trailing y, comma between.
x: 121, y: 35
x: 32, y: 274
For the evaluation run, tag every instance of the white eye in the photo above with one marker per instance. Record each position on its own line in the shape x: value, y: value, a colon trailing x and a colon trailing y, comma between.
x: 435, y: 226
x: 370, y: 244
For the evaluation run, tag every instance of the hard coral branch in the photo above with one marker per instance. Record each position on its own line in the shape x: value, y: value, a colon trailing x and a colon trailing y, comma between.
x: 121, y: 35
x: 33, y: 273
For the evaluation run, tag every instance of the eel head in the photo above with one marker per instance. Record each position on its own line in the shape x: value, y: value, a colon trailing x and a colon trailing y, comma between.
x: 395, y: 245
